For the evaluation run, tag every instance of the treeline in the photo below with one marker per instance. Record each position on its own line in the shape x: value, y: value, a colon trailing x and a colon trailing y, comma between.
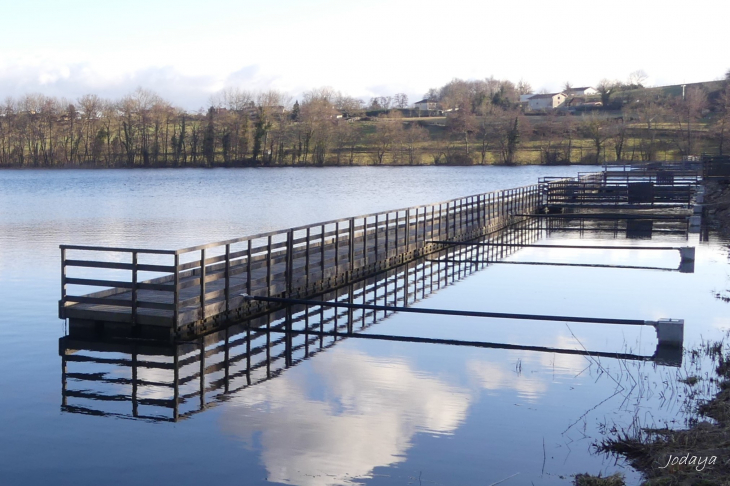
x: 478, y: 122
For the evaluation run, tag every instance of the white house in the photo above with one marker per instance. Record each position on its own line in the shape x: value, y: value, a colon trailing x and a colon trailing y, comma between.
x: 426, y: 105
x: 546, y: 101
x: 584, y: 91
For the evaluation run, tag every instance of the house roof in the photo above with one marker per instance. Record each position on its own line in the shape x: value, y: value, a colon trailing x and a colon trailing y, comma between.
x: 583, y: 88
x: 424, y: 101
x: 544, y: 96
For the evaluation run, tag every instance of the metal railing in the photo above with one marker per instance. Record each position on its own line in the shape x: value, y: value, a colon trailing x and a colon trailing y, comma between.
x: 207, y: 280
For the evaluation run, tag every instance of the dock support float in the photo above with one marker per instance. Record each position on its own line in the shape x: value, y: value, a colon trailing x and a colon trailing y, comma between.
x: 670, y: 332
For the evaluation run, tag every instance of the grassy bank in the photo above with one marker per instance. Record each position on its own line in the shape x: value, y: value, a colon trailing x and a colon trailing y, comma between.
x: 700, y: 454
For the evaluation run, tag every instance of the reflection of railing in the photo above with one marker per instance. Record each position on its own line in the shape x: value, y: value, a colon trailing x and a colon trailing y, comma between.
x: 171, y: 381
x: 192, y: 289
x: 174, y: 380
x: 617, y: 225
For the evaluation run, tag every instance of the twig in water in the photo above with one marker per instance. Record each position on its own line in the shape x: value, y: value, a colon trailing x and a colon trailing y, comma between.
x: 544, y: 457
x: 588, y: 356
x: 505, y: 479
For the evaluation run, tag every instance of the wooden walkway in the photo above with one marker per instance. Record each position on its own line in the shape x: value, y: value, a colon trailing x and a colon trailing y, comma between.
x: 198, y: 289
x: 179, y: 293
x: 194, y: 375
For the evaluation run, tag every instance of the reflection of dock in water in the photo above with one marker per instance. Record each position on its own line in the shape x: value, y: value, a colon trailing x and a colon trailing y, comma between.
x: 169, y: 381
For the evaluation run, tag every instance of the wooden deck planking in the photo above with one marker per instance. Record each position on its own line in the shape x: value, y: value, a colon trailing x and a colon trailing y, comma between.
x: 285, y: 263
x: 278, y: 277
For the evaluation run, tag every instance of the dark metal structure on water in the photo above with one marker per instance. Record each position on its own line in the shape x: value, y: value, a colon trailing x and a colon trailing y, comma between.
x: 172, y: 381
x: 183, y: 293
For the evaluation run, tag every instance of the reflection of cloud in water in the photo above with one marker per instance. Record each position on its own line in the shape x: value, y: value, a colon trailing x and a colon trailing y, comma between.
x: 365, y: 415
x: 529, y: 385
x: 499, y: 376
x: 721, y: 323
x: 569, y: 364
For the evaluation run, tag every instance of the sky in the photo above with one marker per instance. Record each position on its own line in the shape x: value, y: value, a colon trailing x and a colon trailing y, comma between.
x: 186, y: 50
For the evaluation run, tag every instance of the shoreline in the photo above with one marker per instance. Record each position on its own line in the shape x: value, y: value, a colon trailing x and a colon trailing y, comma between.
x: 280, y: 166
x: 699, y: 454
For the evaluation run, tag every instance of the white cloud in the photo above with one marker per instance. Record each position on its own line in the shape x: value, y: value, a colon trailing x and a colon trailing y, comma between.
x: 361, y: 49
x: 369, y: 410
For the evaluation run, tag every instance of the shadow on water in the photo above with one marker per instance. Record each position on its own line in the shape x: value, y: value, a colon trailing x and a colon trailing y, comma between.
x: 171, y: 381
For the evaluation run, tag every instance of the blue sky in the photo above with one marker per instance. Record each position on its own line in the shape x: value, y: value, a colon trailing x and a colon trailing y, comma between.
x: 185, y: 50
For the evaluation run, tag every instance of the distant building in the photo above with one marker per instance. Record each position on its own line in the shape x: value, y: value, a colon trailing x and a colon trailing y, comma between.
x: 546, y: 101
x: 584, y: 91
x: 426, y: 105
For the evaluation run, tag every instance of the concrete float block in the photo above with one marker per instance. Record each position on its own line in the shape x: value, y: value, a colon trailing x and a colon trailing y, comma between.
x: 668, y: 355
x: 687, y: 253
x: 670, y: 332
x: 686, y: 266
x: 695, y: 223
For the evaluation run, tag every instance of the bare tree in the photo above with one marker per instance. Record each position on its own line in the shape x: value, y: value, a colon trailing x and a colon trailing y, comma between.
x: 507, y: 130
x: 461, y: 124
x: 637, y: 79
x: 647, y: 110
x: 413, y: 139
x: 721, y: 126
x: 431, y: 95
x: 618, y: 131
x: 349, y: 106
x: 606, y: 88
x: 388, y: 133
x: 523, y: 87
x: 596, y: 129
x: 686, y: 111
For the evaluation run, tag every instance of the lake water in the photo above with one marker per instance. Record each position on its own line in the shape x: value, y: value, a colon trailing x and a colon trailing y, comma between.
x: 360, y: 411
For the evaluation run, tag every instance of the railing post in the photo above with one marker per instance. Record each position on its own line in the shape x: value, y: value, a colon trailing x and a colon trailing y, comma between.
x: 364, y: 241
x: 322, y: 254
x: 228, y: 278
x: 176, y: 292
x: 351, y: 245
x: 306, y: 260
x: 397, y: 223
x: 448, y: 204
x: 425, y: 215
x: 387, y: 233
x: 134, y: 288
x: 62, y: 305
x: 289, y: 261
x: 377, y: 237
x: 337, y: 247
x: 268, y: 267
x: 249, y: 278
x: 408, y: 230
x: 202, y: 284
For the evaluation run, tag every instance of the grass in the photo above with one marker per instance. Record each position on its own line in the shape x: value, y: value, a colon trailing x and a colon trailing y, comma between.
x: 588, y: 480
x: 698, y: 455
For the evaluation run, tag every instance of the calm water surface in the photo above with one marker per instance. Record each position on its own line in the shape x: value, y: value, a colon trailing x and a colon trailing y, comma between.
x: 372, y: 412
